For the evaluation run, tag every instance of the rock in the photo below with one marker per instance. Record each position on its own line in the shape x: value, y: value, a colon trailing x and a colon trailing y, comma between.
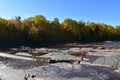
x: 60, y: 56
x: 52, y: 50
x: 64, y: 51
x: 112, y: 61
x: 23, y: 54
x: 11, y: 74
x: 62, y: 71
x: 86, y: 49
x: 58, y: 71
x: 74, y: 49
x: 40, y: 50
x: 118, y: 70
x: 6, y: 55
x: 119, y: 64
x: 101, y: 48
x: 100, y: 60
x: 25, y: 49
x: 112, y: 44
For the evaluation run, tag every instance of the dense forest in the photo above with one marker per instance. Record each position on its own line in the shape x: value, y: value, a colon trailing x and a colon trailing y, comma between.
x: 37, y: 31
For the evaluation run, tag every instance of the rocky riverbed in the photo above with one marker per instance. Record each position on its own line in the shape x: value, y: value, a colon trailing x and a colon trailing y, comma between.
x: 68, y: 62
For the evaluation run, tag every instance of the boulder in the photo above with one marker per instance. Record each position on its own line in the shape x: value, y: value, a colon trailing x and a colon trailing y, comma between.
x: 59, y: 56
x: 112, y: 61
x: 100, y: 60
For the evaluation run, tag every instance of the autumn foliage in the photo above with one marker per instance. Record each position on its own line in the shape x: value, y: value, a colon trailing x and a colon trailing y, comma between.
x: 38, y: 31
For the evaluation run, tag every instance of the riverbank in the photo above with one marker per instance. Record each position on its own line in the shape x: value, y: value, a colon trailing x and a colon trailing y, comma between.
x: 100, y: 62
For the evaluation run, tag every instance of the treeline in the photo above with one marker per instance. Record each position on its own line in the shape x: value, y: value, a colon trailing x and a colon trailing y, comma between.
x: 37, y: 31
